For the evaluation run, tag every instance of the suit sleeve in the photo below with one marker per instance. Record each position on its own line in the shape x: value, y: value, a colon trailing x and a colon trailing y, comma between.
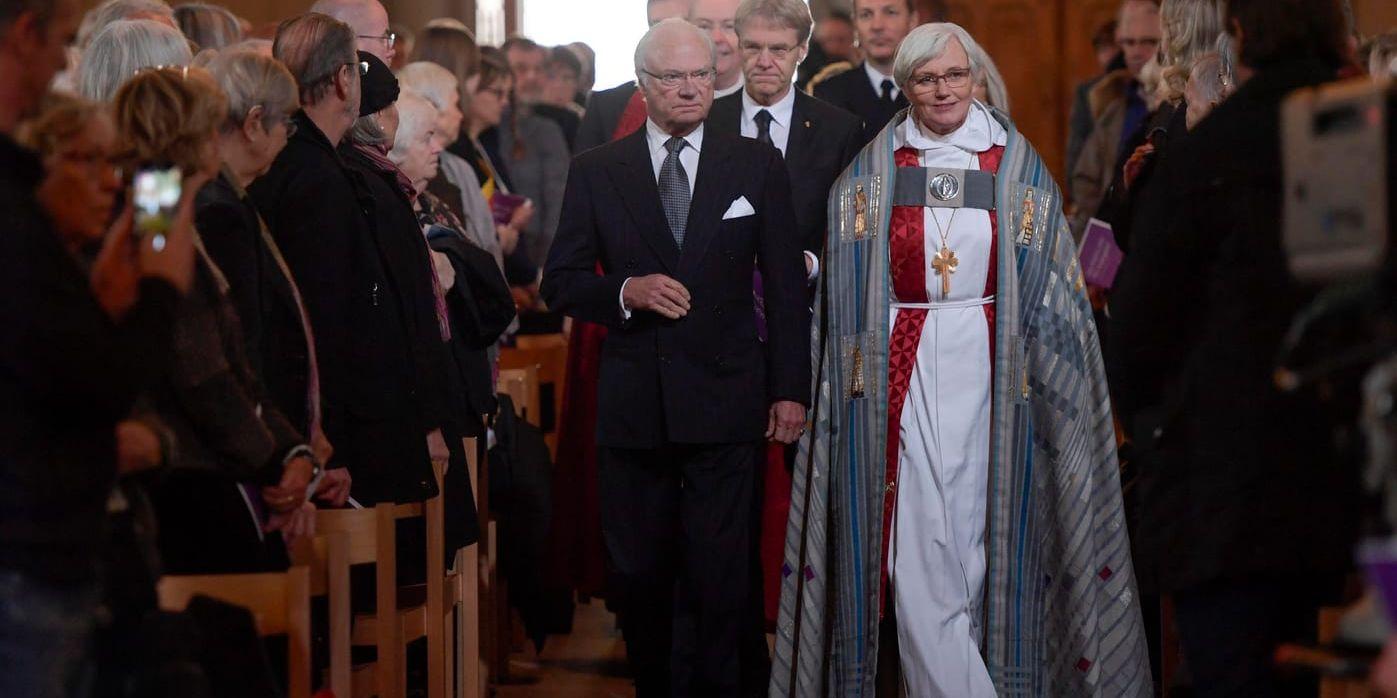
x: 784, y: 290
x: 571, y: 284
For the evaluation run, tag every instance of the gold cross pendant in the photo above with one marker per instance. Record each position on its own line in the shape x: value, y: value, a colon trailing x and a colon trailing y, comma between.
x: 945, y: 264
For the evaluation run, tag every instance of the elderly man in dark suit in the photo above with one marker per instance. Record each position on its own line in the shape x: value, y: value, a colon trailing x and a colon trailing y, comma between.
x: 817, y: 140
x: 869, y: 90
x: 607, y: 109
x: 678, y: 219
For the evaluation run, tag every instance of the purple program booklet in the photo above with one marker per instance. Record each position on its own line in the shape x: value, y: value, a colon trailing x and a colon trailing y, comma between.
x: 1378, y: 556
x: 1100, y: 256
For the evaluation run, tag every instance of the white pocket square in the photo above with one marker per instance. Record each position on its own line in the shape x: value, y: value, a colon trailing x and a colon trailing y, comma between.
x: 739, y: 209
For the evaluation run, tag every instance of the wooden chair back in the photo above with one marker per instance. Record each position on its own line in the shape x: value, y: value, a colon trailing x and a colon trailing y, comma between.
x: 278, y: 601
x: 326, y: 556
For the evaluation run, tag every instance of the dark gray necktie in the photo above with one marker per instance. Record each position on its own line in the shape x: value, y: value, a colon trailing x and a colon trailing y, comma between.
x: 674, y: 190
x: 763, y: 119
x: 887, y: 90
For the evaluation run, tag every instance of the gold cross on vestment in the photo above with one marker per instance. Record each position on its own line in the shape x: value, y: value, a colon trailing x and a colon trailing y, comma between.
x: 945, y: 264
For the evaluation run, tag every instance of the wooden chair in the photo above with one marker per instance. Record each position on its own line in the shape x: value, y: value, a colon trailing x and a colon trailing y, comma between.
x: 279, y: 601
x: 523, y: 386
x: 549, y: 353
x: 459, y: 609
x: 396, y: 621
x: 326, y: 556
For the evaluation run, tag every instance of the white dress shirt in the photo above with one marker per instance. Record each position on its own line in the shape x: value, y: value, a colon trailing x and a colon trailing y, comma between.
x: 656, y: 138
x: 688, y: 157
x: 876, y: 79
x: 781, y: 114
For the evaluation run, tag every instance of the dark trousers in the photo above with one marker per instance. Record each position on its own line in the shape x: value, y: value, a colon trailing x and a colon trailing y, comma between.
x: 677, y: 522
x: 1230, y: 631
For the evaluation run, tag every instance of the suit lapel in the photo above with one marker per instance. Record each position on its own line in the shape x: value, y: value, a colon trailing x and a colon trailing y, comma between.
x: 708, y: 203
x: 634, y: 177
x: 801, y: 134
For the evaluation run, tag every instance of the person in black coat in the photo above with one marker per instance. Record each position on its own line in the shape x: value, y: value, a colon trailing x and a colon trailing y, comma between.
x: 818, y: 141
x: 322, y: 214
x: 868, y: 90
x: 1249, y: 511
x: 78, y: 346
x: 678, y: 218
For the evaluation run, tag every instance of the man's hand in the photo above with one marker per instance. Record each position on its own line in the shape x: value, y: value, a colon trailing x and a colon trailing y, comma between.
x: 137, y: 447
x: 290, y: 493
x: 334, y: 487
x: 657, y: 293
x: 295, y: 524
x: 787, y: 422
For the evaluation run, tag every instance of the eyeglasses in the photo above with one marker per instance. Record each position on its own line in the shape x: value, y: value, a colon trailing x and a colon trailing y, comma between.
x: 672, y: 80
x: 955, y: 79
x: 778, y: 51
x: 363, y: 67
x: 289, y: 121
x: 388, y: 38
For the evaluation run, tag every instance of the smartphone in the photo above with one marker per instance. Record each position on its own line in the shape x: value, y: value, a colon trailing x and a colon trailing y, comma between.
x: 156, y: 196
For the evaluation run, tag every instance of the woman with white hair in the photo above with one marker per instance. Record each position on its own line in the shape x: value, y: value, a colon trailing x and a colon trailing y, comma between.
x: 455, y: 182
x: 960, y: 478
x: 124, y: 47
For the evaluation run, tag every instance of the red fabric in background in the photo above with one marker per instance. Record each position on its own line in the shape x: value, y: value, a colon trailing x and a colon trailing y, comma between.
x: 578, y: 557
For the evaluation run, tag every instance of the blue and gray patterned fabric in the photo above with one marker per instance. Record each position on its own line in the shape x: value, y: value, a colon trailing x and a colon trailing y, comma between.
x: 1062, y: 616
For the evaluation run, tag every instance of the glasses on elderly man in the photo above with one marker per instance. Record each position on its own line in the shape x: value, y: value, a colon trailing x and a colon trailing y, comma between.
x: 363, y: 66
x: 955, y: 78
x: 674, y: 79
x: 388, y: 38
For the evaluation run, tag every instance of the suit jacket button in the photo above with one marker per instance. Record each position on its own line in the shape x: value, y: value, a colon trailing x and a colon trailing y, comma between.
x: 718, y: 310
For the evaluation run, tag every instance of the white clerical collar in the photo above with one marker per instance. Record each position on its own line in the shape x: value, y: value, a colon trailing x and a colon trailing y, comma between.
x: 781, y: 112
x: 658, y: 137
x: 979, y: 133
x: 876, y: 78
x: 719, y: 94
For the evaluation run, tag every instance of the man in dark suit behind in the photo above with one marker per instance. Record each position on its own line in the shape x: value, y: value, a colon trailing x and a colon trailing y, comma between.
x: 816, y: 139
x: 678, y: 220
x: 606, y: 108
x: 869, y: 90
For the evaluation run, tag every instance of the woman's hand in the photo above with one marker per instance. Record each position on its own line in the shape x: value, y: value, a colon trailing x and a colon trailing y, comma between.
x: 295, y: 524
x: 522, y: 215
x: 509, y: 238
x: 116, y: 278
x: 137, y: 447
x: 290, y: 493
x: 446, y: 274
x: 334, y: 487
